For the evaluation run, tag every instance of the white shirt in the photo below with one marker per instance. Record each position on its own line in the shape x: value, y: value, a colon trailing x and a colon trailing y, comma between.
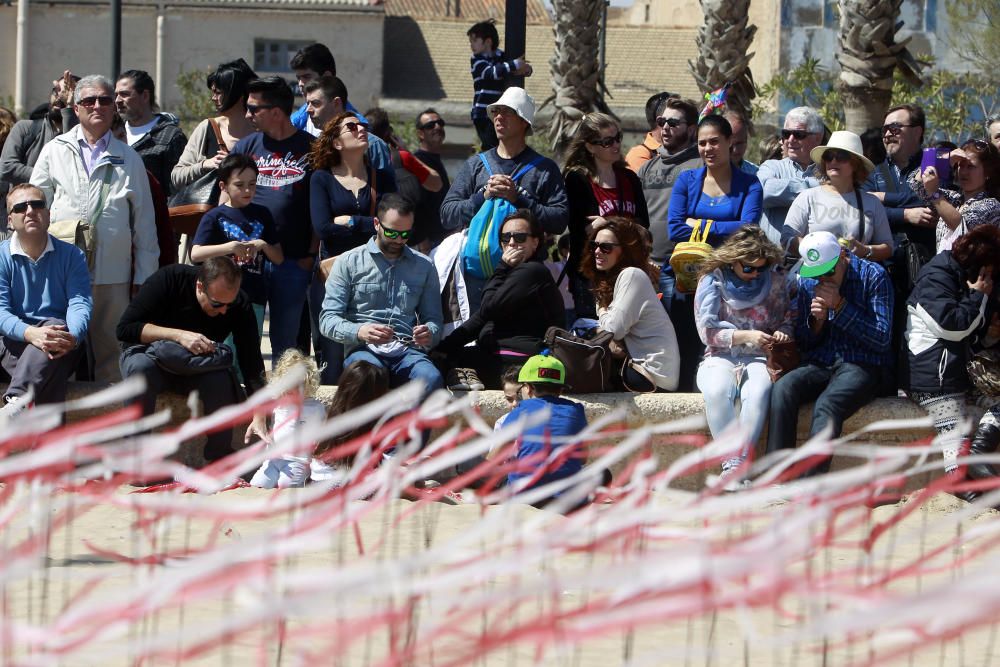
x: 134, y: 133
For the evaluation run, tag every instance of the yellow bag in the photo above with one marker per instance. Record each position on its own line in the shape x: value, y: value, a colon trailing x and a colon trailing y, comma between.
x: 688, y: 256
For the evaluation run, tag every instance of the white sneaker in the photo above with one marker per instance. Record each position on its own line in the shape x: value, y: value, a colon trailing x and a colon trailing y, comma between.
x: 15, y: 405
x: 730, y: 478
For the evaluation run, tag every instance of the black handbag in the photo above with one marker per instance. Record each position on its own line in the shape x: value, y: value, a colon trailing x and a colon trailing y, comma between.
x: 588, y: 361
x: 175, y: 358
x: 204, y: 189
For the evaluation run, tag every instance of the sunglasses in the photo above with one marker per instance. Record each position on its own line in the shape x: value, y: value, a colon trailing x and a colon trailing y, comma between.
x: 431, y: 124
x: 395, y: 233
x: 606, y: 248
x: 749, y: 269
x: 35, y: 204
x: 517, y: 237
x: 894, y: 128
x: 672, y: 122
x: 798, y: 134
x: 254, y: 108
x: 836, y: 155
x: 607, y: 142
x: 978, y: 144
x: 352, y: 127
x: 96, y: 100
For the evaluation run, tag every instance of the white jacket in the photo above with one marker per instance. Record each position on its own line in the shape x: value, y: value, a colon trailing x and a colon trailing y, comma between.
x: 126, y: 231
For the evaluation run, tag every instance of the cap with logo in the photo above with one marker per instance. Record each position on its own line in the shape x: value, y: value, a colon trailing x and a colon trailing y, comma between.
x: 820, y: 252
x: 543, y: 368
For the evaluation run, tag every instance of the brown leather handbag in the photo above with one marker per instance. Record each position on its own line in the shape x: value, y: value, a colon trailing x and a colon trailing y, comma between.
x: 781, y: 358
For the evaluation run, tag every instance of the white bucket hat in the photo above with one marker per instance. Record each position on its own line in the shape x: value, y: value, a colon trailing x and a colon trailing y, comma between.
x: 520, y: 101
x: 845, y: 141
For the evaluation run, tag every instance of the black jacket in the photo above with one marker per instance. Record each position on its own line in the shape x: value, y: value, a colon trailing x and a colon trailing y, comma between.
x: 160, y: 150
x: 519, y: 305
x: 944, y: 317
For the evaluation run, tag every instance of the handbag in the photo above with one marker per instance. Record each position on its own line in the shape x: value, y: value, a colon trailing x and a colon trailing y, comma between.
x: 588, y: 362
x: 984, y: 371
x: 197, y: 198
x: 175, y: 358
x: 781, y: 358
x: 687, y: 257
x: 81, y: 232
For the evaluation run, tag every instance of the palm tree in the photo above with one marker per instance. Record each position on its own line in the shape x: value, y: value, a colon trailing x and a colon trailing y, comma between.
x: 576, y: 75
x: 869, y: 54
x: 723, y: 41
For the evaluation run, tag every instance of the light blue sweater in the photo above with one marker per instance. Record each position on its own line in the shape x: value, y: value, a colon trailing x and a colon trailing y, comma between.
x: 56, y: 286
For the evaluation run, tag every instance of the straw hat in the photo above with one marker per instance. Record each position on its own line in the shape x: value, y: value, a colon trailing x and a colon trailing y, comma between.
x: 845, y: 141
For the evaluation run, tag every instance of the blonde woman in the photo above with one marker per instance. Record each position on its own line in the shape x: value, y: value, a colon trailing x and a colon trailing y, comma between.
x: 742, y: 304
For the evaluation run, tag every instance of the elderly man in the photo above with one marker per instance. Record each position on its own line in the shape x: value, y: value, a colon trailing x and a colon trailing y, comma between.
x: 843, y: 332
x: 45, y: 305
x: 431, y: 135
x: 678, y: 122
x: 154, y: 136
x: 172, y: 333
x: 540, y: 189
x: 93, y: 179
x: 383, y: 301
x: 903, y: 136
x: 784, y: 179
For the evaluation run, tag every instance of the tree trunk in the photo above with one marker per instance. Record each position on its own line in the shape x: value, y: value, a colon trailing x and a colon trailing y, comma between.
x: 869, y: 56
x: 723, y: 41
x: 574, y: 67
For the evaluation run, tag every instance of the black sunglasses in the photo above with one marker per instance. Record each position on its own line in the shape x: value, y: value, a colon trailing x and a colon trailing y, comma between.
x: 97, y: 100
x: 395, y: 233
x: 894, y: 128
x: 352, y: 127
x: 607, y: 142
x: 22, y: 207
x: 517, y: 237
x: 835, y: 154
x: 978, y: 144
x: 606, y: 248
x: 749, y: 269
x: 254, y: 108
x: 798, y: 134
x: 431, y: 123
x: 672, y: 122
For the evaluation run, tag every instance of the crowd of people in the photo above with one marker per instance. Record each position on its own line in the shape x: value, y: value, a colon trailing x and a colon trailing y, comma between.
x: 873, y: 262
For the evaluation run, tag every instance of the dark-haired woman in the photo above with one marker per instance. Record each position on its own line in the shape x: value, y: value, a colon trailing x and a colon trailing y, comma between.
x: 344, y: 192
x: 598, y: 184
x: 617, y: 265
x: 203, y: 153
x: 948, y: 309
x: 520, y: 302
x: 976, y: 201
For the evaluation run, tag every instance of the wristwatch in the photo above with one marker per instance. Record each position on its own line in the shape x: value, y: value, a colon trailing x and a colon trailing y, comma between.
x: 868, y: 255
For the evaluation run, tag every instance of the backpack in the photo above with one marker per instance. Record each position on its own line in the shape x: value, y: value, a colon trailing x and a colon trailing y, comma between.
x: 688, y: 256
x: 482, y: 250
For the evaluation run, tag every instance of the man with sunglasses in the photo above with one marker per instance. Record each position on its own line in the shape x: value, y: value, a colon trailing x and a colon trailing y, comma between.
x: 903, y: 137
x: 783, y: 180
x: 843, y: 333
x: 678, y: 122
x: 431, y: 134
x: 383, y: 302
x: 194, y: 309
x: 45, y: 310
x: 89, y: 176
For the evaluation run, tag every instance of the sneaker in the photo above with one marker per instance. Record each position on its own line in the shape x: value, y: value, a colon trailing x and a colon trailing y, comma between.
x: 464, y: 379
x: 472, y: 379
x: 15, y: 405
x: 730, y: 478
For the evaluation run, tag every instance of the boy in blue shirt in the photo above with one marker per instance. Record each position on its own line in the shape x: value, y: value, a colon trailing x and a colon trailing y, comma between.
x: 544, y: 378
x: 490, y: 69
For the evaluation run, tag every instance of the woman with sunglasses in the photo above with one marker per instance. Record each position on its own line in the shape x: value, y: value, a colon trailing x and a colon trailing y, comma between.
x: 520, y: 302
x: 617, y: 265
x: 976, y: 199
x: 344, y: 191
x: 833, y: 206
x: 598, y: 184
x: 744, y: 302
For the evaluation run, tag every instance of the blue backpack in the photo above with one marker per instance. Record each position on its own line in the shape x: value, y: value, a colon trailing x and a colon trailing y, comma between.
x: 482, y: 249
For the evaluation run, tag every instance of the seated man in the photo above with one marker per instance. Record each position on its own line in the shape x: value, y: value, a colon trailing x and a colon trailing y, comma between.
x: 843, y: 331
x: 45, y: 304
x: 195, y: 308
x: 383, y: 301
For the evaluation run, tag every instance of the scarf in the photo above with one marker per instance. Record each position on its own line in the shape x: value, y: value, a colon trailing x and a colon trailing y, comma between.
x: 741, y: 294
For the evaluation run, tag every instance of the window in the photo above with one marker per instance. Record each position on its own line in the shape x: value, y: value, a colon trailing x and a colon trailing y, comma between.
x: 273, y: 55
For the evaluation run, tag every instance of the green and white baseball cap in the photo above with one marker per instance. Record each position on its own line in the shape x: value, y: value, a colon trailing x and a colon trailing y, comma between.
x: 820, y: 252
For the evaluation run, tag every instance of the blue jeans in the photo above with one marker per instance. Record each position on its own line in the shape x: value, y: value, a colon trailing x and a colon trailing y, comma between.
x: 411, y: 365
x: 329, y: 353
x: 287, y: 286
x: 680, y: 308
x: 722, y: 387
x: 839, y: 390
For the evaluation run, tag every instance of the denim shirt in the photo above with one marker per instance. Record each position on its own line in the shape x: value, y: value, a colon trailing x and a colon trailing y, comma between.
x: 366, y: 288
x: 782, y: 181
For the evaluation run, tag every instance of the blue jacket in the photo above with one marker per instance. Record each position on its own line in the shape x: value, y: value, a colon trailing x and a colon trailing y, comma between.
x: 744, y: 206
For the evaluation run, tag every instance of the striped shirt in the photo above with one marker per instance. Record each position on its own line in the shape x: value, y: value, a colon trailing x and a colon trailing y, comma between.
x: 860, y: 333
x: 489, y: 74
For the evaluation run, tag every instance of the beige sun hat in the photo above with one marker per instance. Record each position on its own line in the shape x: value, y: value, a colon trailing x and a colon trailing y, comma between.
x: 520, y: 101
x: 845, y: 141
